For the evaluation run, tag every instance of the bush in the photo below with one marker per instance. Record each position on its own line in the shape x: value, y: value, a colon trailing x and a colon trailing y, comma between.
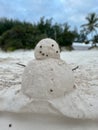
x: 23, y: 35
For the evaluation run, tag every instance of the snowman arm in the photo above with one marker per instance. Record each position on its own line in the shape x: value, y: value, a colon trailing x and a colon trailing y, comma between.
x: 21, y: 64
x: 75, y: 68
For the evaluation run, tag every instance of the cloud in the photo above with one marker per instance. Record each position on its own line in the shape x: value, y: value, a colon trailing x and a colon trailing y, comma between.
x: 76, y: 11
x: 71, y: 11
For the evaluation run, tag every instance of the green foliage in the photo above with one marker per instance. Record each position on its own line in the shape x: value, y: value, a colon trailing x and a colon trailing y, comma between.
x: 91, y: 27
x: 65, y: 36
x: 92, y: 22
x: 24, y: 35
x: 6, y: 24
x: 82, y: 37
x: 95, y: 40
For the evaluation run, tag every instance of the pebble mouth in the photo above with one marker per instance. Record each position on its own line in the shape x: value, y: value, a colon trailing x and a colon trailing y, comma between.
x: 43, y: 54
x: 40, y: 52
x: 51, y: 90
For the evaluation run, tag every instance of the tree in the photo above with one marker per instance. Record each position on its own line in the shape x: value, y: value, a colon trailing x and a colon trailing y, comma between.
x: 95, y: 40
x: 67, y: 36
x: 6, y: 24
x: 18, y: 37
x: 45, y: 27
x: 91, y: 25
x: 23, y: 35
x: 82, y: 36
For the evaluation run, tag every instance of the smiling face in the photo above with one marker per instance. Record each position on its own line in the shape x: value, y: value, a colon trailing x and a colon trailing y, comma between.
x: 47, y: 48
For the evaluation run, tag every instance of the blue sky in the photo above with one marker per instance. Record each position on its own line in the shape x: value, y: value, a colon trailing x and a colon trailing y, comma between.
x: 71, y: 11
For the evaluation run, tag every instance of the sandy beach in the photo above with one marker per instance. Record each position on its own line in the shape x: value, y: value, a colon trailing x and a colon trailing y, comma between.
x: 86, y: 76
x: 86, y: 83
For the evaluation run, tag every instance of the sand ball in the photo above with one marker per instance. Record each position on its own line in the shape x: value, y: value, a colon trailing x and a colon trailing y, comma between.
x: 47, y: 77
x: 47, y: 48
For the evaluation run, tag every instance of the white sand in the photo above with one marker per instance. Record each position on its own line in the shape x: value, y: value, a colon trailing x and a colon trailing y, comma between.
x: 43, y: 122
x: 86, y: 81
x: 86, y: 76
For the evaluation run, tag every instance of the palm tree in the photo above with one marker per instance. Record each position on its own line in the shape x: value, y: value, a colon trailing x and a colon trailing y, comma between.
x: 91, y: 25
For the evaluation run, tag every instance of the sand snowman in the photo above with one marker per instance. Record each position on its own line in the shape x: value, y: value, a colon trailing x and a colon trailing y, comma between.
x: 47, y: 76
x: 45, y: 100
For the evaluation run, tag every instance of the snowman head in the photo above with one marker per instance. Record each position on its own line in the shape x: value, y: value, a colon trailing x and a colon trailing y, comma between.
x: 47, y: 48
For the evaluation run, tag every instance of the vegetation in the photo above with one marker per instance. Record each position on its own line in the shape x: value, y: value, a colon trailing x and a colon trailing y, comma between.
x: 15, y: 34
x: 91, y: 27
x: 22, y: 35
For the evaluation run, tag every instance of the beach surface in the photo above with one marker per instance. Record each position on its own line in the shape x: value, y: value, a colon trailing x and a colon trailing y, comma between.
x: 86, y: 82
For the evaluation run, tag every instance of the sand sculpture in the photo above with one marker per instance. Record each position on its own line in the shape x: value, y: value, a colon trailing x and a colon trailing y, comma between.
x: 47, y: 98
x: 47, y: 76
x: 48, y: 88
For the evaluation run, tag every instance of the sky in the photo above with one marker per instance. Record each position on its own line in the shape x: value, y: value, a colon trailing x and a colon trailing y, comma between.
x: 71, y: 11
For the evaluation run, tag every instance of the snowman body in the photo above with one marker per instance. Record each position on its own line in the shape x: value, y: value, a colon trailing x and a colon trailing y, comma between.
x: 47, y: 76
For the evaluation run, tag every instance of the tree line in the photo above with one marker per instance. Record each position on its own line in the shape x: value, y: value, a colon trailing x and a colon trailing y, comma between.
x: 15, y: 34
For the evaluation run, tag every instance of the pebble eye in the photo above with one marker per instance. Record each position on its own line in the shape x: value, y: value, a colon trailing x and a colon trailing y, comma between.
x: 10, y: 125
x: 47, y: 55
x: 43, y: 54
x: 40, y: 46
x: 52, y: 45
x: 51, y: 90
x: 56, y: 51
